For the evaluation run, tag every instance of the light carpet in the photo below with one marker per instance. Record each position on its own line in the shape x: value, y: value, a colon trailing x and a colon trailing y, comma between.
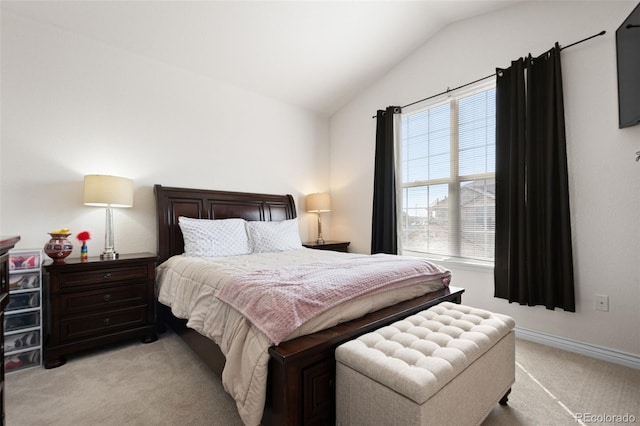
x: 164, y: 383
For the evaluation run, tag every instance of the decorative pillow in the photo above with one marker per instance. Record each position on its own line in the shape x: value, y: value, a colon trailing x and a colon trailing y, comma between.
x: 209, y: 238
x: 274, y: 236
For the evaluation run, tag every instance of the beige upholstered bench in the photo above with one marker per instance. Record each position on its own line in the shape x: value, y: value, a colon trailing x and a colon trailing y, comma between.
x: 447, y: 365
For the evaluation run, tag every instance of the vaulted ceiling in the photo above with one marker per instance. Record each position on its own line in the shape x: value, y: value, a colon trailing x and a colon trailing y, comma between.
x: 314, y: 54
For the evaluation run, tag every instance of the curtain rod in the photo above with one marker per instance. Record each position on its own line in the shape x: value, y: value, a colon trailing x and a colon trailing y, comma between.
x: 489, y: 76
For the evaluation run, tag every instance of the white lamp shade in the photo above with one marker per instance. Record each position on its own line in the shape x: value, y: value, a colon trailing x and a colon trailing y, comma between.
x: 319, y: 202
x: 108, y: 191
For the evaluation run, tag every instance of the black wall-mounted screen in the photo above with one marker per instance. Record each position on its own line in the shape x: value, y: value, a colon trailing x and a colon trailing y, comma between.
x: 628, y: 54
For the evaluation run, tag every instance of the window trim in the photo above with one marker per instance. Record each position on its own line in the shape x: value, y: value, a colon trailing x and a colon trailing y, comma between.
x: 454, y: 262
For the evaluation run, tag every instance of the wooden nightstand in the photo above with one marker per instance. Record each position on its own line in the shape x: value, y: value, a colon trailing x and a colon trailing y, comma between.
x: 328, y: 245
x: 98, y: 302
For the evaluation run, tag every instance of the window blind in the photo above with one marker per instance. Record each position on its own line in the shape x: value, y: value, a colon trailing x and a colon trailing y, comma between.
x: 447, y: 169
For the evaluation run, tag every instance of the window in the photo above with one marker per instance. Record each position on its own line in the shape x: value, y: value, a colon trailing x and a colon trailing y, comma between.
x: 447, y: 169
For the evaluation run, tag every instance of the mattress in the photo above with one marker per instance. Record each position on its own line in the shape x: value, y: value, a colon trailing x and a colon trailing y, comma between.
x: 188, y: 285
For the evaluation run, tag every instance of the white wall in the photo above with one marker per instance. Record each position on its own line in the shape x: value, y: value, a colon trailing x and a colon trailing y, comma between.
x: 604, y: 177
x: 73, y: 106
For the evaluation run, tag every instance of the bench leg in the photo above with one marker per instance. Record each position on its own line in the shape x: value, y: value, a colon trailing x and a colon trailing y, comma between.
x: 505, y: 398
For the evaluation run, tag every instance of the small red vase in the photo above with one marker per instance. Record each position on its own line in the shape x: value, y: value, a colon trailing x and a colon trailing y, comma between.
x: 58, y: 247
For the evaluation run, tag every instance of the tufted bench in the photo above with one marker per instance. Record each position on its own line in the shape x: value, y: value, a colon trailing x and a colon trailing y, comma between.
x: 447, y: 365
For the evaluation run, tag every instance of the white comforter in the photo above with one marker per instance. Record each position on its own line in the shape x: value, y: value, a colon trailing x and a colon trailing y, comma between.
x: 188, y: 285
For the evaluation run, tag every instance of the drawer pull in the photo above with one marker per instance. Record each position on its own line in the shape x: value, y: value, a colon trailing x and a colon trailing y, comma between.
x: 107, y: 321
x: 107, y: 275
x: 107, y: 297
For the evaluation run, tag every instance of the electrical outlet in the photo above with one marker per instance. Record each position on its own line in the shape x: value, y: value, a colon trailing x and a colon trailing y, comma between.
x: 602, y: 302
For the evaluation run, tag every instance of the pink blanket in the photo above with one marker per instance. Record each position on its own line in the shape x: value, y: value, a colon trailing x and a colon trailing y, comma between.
x: 277, y: 301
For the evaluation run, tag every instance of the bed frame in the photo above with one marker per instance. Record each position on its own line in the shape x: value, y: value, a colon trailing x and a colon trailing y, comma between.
x: 301, y: 375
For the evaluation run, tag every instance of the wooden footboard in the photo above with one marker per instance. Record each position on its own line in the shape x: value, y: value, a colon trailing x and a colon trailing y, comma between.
x: 301, y: 381
x: 301, y: 377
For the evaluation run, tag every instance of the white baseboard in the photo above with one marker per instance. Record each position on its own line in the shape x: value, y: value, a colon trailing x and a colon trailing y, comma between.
x: 587, y: 349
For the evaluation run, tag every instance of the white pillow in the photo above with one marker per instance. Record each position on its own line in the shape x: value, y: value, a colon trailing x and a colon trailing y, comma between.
x: 210, y: 238
x: 274, y: 236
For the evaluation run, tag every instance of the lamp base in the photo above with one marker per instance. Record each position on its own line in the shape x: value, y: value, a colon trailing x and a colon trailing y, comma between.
x: 320, y: 241
x: 109, y: 255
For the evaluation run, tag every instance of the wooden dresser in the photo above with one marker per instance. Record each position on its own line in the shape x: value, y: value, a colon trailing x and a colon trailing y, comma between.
x: 6, y: 244
x: 96, y: 302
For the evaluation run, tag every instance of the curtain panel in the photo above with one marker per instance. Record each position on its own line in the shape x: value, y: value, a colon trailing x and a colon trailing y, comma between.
x: 384, y: 231
x: 533, y: 252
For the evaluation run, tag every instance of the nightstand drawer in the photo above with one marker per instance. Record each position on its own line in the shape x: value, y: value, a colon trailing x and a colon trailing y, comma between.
x: 70, y: 280
x: 105, y: 322
x: 107, y: 298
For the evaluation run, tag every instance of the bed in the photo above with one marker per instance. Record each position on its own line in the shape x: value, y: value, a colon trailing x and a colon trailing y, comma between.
x: 301, y: 371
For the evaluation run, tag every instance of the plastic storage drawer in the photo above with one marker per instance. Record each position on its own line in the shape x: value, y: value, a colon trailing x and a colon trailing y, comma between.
x: 22, y: 360
x: 24, y: 281
x: 24, y: 259
x: 21, y: 320
x: 23, y: 301
x: 24, y: 340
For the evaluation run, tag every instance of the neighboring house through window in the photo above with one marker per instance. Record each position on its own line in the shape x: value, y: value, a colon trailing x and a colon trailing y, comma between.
x: 447, y: 177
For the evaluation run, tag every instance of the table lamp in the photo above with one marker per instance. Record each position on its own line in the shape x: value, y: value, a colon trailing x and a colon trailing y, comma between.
x: 318, y: 203
x: 108, y: 191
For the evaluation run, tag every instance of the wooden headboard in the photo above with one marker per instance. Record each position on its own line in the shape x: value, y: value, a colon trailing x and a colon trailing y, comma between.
x: 172, y: 203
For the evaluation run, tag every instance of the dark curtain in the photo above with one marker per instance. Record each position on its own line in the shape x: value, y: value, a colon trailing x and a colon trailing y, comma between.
x: 533, y: 258
x: 384, y: 232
